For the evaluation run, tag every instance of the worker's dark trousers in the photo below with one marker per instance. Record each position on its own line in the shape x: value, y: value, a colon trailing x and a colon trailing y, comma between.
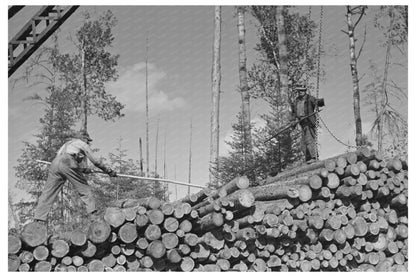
x: 308, y: 141
x: 64, y: 167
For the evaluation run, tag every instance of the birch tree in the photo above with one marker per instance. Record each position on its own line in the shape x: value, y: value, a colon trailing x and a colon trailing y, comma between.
x: 215, y: 98
x: 354, y: 56
x: 242, y: 69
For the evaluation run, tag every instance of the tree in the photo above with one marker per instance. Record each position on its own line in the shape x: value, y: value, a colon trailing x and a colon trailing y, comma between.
x: 215, y: 99
x: 87, y: 71
x: 382, y: 88
x: 352, y: 25
x: 271, y: 79
x: 244, y: 89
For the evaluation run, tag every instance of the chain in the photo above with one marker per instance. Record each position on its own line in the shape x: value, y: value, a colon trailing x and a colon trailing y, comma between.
x: 318, y: 70
x: 332, y: 134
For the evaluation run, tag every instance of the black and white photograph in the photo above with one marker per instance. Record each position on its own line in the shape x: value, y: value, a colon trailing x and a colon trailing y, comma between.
x: 212, y: 137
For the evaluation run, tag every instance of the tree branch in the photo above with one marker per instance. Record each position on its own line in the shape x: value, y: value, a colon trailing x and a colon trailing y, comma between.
x: 364, y: 40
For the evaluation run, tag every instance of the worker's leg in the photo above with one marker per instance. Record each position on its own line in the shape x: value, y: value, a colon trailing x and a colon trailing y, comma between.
x: 81, y: 185
x: 310, y: 138
x: 303, y: 141
x: 53, y: 185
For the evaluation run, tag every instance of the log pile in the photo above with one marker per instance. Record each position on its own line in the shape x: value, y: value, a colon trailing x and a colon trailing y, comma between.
x: 347, y: 213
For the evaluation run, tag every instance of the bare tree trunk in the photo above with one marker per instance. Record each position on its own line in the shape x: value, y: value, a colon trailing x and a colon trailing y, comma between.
x: 215, y: 98
x: 354, y: 73
x: 283, y: 58
x: 141, y: 154
x: 84, y: 98
x: 242, y: 69
x: 380, y: 127
x: 147, y: 114
x: 190, y: 158
x: 157, y: 142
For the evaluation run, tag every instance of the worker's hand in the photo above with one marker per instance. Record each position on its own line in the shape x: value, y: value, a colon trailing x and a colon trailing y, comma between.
x: 111, y: 173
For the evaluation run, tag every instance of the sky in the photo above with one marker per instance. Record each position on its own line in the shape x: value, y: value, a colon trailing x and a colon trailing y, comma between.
x: 180, y: 54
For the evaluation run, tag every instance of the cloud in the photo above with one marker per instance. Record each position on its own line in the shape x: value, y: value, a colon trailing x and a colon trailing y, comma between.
x: 130, y: 90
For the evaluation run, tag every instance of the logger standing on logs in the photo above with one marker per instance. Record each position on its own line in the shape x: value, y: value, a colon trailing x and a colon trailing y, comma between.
x: 303, y: 111
x: 70, y: 164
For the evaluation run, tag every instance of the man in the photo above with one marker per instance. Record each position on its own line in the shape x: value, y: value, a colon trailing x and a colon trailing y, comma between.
x: 70, y: 164
x: 303, y: 110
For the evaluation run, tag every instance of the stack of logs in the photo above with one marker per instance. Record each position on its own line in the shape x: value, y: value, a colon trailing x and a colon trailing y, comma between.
x: 347, y: 213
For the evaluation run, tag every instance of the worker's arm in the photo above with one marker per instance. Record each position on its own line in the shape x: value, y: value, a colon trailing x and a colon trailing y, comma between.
x: 96, y: 161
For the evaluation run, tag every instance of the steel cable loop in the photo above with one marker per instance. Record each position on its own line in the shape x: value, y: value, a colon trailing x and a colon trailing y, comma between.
x: 333, y: 135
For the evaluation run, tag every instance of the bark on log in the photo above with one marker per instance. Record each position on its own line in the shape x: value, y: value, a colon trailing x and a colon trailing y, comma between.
x: 235, y: 184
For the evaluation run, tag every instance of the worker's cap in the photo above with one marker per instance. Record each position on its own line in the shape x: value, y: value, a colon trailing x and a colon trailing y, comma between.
x: 83, y: 135
x: 300, y: 88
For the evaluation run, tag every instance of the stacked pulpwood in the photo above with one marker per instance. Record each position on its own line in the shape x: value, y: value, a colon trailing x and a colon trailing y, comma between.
x: 345, y: 213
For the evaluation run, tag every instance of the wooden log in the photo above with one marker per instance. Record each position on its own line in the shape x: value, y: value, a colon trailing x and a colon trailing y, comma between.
x: 146, y: 262
x: 40, y: 253
x: 152, y: 202
x: 402, y: 231
x: 179, y: 212
x: 341, y: 162
x: 223, y: 264
x: 352, y: 170
x: 128, y: 249
x: 191, y: 239
x: 24, y: 267
x: 99, y: 231
x: 315, y: 181
x: 43, y: 266
x: 141, y: 220
x: 394, y: 165
x: 59, y: 248
x: 26, y: 256
x: 167, y: 209
x: 13, y: 263
x: 14, y: 244
x: 119, y: 268
x: 88, y: 250
x: 127, y: 232
x: 152, y: 232
x: 156, y: 249
x: 275, y: 191
x: 339, y: 171
x: 173, y: 256
x: 78, y: 238
x: 114, y: 216
x: 82, y: 268
x: 210, y: 221
x: 360, y: 226
x: 235, y: 184
x: 339, y: 236
x: 67, y: 260
x: 187, y: 264
x: 156, y: 217
x: 170, y: 240
x: 95, y: 265
x: 246, y: 234
x: 34, y: 234
x: 130, y: 213
x: 121, y: 259
x: 77, y: 260
x: 171, y: 224
x: 259, y: 265
x: 326, y: 235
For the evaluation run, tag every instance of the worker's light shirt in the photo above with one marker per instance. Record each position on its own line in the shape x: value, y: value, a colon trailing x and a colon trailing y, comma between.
x: 79, y: 148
